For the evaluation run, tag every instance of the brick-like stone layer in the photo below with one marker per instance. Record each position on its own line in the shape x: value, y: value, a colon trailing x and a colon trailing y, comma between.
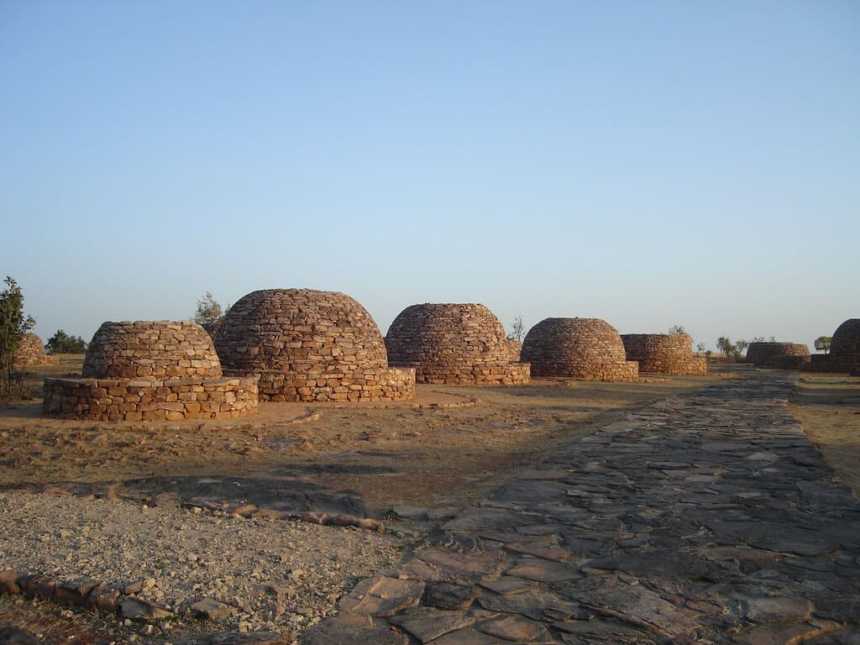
x: 151, y: 349
x: 781, y: 355
x: 31, y: 352
x: 664, y: 354
x: 309, y: 345
x: 454, y: 344
x: 845, y: 347
x: 586, y: 348
x: 150, y: 399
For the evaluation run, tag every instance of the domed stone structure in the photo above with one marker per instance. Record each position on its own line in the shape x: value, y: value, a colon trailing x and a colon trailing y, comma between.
x: 31, y: 352
x: 150, y: 370
x: 586, y: 348
x: 151, y: 349
x: 778, y: 355
x: 454, y: 344
x: 844, y: 353
x: 309, y: 345
x: 664, y: 354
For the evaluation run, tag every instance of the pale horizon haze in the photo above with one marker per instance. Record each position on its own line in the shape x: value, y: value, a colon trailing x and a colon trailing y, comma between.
x: 648, y: 163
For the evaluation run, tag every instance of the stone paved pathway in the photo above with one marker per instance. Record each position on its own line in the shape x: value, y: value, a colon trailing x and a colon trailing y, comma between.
x: 703, y: 518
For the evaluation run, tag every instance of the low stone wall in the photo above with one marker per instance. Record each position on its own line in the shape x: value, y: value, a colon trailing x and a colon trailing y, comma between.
x: 830, y: 363
x: 769, y: 354
x: 31, y: 352
x: 150, y: 399
x: 378, y: 384
x: 664, y: 354
x: 510, y: 374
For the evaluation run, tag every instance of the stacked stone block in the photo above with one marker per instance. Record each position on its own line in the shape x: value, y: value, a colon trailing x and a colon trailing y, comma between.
x: 307, y: 345
x: 586, y: 348
x: 778, y: 355
x: 454, y: 344
x: 151, y: 349
x: 845, y: 347
x: 31, y: 352
x: 150, y: 370
x: 664, y: 354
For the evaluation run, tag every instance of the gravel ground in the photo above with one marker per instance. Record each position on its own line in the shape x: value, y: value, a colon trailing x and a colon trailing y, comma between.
x: 274, y: 575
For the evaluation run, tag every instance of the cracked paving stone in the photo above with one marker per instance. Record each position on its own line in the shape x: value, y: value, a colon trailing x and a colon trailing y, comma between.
x: 427, y: 624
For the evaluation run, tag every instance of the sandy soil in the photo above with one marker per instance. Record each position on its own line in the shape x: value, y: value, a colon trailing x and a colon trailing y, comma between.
x: 828, y: 407
x: 388, y: 454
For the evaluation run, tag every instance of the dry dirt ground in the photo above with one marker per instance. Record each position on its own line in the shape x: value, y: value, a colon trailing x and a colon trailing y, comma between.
x: 75, y: 493
x: 828, y: 407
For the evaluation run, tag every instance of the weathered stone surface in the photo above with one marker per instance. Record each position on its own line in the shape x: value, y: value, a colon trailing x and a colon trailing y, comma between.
x: 31, y: 352
x: 444, y: 595
x: 151, y: 349
x: 586, y: 348
x: 211, y: 609
x: 307, y: 345
x: 14, y: 636
x: 142, y: 610
x: 454, y: 344
x: 382, y: 596
x: 427, y: 623
x: 779, y: 355
x: 9, y: 581
x: 672, y: 532
x: 150, y: 370
x: 514, y: 628
x: 664, y: 353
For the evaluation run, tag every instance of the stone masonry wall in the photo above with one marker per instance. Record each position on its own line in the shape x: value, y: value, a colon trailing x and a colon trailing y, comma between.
x: 778, y: 355
x: 380, y: 384
x: 454, y: 344
x: 845, y: 347
x: 151, y: 349
x: 309, y: 345
x: 664, y: 354
x: 150, y: 399
x: 587, y: 348
x: 31, y: 352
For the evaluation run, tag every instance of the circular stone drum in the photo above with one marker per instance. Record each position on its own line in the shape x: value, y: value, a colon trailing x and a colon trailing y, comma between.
x: 664, y: 354
x: 586, y: 348
x: 309, y: 345
x: 778, y: 355
x: 151, y: 349
x: 454, y: 344
x: 150, y: 371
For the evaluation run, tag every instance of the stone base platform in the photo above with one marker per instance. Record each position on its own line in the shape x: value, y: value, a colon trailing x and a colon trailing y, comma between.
x: 692, y: 366
x: 617, y: 372
x: 150, y: 399
x: 787, y: 362
x: 505, y: 374
x: 389, y: 384
x: 828, y: 363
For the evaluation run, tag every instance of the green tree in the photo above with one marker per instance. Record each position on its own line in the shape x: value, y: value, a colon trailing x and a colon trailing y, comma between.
x: 822, y: 343
x: 13, y: 325
x: 63, y: 343
x: 740, y: 346
x: 208, y: 310
x: 726, y: 346
x: 677, y: 330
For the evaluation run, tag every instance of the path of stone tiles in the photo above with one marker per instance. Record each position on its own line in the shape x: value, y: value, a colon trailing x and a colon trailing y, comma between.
x: 703, y: 518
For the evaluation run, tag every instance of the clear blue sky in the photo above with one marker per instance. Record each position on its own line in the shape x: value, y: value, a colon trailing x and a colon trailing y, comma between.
x: 649, y: 163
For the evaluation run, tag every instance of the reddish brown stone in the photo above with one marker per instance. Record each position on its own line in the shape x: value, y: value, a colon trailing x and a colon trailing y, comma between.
x: 664, y: 353
x: 308, y: 345
x: 586, y: 348
x: 454, y: 344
